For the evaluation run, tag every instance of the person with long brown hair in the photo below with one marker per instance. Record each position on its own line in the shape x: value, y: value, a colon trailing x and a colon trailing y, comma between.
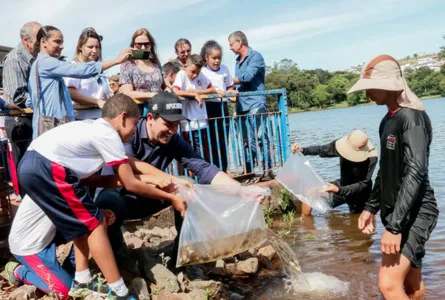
x: 142, y: 78
x: 88, y: 91
x: 48, y: 93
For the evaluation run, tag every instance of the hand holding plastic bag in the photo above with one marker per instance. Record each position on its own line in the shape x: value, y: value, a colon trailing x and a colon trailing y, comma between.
x: 299, y: 178
x: 220, y: 221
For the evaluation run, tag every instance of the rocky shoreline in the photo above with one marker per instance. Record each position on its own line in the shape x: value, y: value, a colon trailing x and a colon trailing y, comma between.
x: 150, y: 242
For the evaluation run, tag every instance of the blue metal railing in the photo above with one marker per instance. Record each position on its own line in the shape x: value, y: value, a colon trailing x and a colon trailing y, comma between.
x: 245, y: 153
x: 234, y: 145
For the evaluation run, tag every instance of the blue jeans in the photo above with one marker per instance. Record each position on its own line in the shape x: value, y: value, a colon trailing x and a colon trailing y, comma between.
x: 253, y: 131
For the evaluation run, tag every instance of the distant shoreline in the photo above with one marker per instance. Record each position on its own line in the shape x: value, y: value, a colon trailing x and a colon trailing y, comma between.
x: 344, y: 104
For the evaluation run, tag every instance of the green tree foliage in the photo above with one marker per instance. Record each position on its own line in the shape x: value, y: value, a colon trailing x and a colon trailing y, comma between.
x: 321, y: 88
x: 320, y: 95
x: 337, y: 87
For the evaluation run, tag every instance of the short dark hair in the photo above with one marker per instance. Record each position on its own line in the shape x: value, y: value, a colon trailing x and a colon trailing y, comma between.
x: 169, y: 67
x: 118, y: 104
x: 196, y: 60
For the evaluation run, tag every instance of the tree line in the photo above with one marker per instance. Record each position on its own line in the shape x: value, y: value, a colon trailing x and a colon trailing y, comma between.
x: 321, y: 89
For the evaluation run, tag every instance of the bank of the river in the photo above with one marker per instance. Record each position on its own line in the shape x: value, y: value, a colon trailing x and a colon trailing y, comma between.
x: 344, y: 104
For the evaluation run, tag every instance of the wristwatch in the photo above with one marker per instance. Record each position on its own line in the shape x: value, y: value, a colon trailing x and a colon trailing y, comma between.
x: 393, y: 231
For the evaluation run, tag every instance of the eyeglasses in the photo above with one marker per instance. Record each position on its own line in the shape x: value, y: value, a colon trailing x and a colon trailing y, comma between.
x: 231, y: 44
x: 139, y: 45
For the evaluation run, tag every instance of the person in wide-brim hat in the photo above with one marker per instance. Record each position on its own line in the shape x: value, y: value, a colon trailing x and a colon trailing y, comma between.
x: 402, y: 191
x: 358, y: 158
x: 384, y: 73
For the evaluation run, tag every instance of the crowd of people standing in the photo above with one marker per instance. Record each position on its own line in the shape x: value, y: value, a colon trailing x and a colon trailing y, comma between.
x: 64, y: 160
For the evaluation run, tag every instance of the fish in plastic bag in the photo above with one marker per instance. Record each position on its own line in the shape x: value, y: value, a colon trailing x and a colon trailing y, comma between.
x: 220, y: 221
x: 299, y: 178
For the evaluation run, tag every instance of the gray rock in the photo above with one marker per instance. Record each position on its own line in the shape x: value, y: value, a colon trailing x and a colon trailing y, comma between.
x: 160, y: 232
x: 181, y: 281
x: 248, y: 266
x: 212, y: 285
x: 193, y: 295
x: 139, y: 288
x: 139, y: 234
x: 161, y: 276
x: 134, y: 242
x: 245, y: 267
x: 219, y: 268
x: 267, y: 252
x: 23, y: 293
x: 173, y: 231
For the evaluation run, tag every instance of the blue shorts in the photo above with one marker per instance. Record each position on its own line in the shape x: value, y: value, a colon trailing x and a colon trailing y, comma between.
x: 58, y: 192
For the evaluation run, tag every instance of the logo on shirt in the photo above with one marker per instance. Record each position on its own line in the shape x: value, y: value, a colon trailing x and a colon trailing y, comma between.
x: 155, y: 107
x: 391, y: 142
x: 199, y: 82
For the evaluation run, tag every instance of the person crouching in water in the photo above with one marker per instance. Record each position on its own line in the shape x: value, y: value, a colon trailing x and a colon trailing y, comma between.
x: 402, y: 190
x: 358, y: 159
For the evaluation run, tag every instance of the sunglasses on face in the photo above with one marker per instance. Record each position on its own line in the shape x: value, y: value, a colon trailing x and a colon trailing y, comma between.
x: 139, y: 45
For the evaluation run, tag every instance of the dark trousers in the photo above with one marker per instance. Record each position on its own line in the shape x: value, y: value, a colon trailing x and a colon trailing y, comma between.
x: 19, y: 131
x: 127, y: 207
x: 217, y: 125
x: 254, y: 132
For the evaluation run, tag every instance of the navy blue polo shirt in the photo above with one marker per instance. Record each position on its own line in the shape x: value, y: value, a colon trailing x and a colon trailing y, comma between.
x: 160, y: 156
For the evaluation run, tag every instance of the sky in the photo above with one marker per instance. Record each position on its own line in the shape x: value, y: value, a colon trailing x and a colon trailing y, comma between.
x: 327, y: 34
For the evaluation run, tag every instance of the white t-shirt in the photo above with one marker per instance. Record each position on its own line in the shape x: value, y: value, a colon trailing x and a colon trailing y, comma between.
x: 31, y: 231
x: 91, y: 88
x: 190, y: 108
x: 221, y: 79
x: 82, y: 146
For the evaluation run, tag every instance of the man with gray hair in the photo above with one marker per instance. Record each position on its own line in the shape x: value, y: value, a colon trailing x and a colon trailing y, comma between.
x: 250, y: 71
x: 16, y: 67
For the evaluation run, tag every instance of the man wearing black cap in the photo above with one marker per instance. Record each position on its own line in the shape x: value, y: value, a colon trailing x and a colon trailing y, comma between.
x: 156, y: 142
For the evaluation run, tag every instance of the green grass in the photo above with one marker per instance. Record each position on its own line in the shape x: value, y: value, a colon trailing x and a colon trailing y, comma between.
x: 430, y: 97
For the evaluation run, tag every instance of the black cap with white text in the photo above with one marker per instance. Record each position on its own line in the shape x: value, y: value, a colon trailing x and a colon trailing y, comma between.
x: 168, y: 106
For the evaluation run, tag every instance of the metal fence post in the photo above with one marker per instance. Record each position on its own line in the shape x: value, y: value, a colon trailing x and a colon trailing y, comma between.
x: 285, y: 133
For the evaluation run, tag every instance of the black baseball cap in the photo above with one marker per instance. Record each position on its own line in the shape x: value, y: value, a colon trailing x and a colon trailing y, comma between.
x: 168, y: 106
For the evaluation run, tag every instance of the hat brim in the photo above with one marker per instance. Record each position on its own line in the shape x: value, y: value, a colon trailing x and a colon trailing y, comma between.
x: 350, y: 154
x: 388, y: 84
x: 173, y: 118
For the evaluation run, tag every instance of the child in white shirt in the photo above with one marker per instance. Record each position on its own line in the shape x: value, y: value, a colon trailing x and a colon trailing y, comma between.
x: 220, y: 77
x: 192, y: 83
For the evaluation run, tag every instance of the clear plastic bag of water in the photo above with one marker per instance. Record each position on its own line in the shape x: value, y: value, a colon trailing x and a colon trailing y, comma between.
x: 220, y: 221
x: 299, y: 178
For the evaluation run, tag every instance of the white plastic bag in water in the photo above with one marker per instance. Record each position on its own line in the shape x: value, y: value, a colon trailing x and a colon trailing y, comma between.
x: 299, y: 178
x: 220, y: 221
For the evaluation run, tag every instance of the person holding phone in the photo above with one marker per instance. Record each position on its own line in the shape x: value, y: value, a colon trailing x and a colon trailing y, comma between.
x: 48, y: 92
x: 141, y: 76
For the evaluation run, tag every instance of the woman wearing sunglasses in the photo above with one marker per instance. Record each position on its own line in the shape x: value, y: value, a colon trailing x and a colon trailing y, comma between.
x: 142, y: 78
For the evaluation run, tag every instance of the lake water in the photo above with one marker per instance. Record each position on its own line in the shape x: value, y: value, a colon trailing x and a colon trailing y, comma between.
x: 331, y: 243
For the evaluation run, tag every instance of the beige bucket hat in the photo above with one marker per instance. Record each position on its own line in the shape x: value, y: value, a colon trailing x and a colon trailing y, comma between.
x: 383, y: 73
x: 355, y: 147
